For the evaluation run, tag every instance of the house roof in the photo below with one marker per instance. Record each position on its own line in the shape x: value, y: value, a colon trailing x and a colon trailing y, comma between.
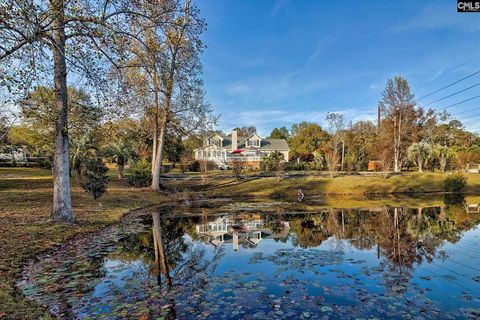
x: 214, y: 134
x: 253, y: 135
x: 265, y: 145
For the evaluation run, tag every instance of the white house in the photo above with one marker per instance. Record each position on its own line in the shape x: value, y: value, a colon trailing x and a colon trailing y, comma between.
x: 14, y: 153
x: 223, y: 149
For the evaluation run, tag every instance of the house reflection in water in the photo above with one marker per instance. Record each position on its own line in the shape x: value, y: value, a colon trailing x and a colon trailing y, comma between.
x: 245, y: 231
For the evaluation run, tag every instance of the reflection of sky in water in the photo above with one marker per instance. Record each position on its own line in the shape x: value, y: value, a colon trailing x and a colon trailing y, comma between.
x: 443, y: 284
x: 323, y: 263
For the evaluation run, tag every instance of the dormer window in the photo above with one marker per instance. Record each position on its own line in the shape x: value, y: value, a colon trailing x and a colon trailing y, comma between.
x: 253, y: 141
x: 215, y: 140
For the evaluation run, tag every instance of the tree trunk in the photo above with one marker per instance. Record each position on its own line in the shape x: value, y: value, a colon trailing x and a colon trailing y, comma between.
x: 443, y: 164
x: 420, y: 164
x: 121, y: 170
x: 62, y: 203
x: 162, y: 130
x: 398, y: 142
x: 160, y: 255
x: 156, y: 109
x: 419, y: 214
x: 159, y: 155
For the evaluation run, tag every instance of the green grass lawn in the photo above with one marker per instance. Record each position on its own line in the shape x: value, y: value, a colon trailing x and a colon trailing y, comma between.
x: 25, y: 229
x: 314, y: 185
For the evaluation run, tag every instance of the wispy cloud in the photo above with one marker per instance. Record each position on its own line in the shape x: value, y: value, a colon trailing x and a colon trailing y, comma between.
x: 438, y: 16
x: 321, y: 46
x: 293, y: 85
x: 278, y: 6
x: 238, y: 88
x: 266, y: 120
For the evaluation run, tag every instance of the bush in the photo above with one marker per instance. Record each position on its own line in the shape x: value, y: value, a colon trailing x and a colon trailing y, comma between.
x: 455, y: 182
x: 196, y: 166
x: 313, y: 166
x: 94, y: 177
x: 295, y: 166
x: 139, y: 174
x: 272, y: 162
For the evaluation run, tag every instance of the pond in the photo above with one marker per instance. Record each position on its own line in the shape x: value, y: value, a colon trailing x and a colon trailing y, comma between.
x: 269, y: 260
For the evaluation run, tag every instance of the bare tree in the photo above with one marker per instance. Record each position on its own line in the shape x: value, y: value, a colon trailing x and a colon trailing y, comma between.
x: 332, y: 157
x: 400, y: 118
x: 238, y: 164
x: 385, y: 157
x: 336, y: 124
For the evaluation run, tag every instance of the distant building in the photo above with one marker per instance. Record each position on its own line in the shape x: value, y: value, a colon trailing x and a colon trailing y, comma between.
x: 14, y: 153
x: 224, y: 149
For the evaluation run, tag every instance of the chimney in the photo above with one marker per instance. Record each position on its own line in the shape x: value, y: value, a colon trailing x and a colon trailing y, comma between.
x: 234, y: 140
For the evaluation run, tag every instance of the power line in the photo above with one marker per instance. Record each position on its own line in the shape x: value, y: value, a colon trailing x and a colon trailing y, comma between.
x: 456, y: 104
x: 453, y: 94
x: 449, y: 85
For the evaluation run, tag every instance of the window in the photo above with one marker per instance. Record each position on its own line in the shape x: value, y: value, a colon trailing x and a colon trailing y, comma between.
x: 252, y: 143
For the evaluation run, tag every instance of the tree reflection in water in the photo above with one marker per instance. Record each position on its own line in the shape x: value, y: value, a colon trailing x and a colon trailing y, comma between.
x: 168, y: 267
x: 171, y: 256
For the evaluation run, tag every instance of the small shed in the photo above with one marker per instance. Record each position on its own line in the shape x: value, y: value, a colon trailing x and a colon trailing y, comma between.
x: 374, y: 165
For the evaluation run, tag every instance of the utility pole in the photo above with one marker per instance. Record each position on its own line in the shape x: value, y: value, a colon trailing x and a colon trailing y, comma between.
x: 378, y: 119
x: 343, y: 152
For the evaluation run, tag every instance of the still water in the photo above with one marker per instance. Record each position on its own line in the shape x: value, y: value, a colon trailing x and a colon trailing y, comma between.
x: 270, y: 260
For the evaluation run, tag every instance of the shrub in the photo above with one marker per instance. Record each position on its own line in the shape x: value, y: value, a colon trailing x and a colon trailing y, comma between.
x: 139, y: 174
x: 454, y: 199
x: 196, y: 166
x: 94, y: 177
x: 295, y: 167
x: 455, y: 182
x: 271, y: 162
x: 238, y: 166
x: 313, y: 166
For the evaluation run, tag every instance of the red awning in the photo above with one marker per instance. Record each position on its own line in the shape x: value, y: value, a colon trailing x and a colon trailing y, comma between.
x: 237, y: 151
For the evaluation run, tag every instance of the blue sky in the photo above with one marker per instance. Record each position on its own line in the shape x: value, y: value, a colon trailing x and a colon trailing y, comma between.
x: 274, y: 63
